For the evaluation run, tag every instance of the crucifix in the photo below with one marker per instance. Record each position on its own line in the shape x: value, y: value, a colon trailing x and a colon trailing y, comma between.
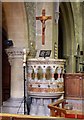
x: 43, y: 18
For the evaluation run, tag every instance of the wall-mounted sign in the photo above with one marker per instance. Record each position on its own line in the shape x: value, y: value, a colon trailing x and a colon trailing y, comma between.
x: 45, y: 53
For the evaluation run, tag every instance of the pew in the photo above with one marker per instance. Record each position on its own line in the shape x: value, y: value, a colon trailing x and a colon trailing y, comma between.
x: 4, y: 116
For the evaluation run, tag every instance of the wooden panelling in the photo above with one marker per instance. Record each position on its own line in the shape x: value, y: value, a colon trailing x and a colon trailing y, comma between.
x: 74, y: 85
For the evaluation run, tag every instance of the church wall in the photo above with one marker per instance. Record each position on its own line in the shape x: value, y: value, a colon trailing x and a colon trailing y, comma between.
x: 77, y: 15
x: 16, y: 23
x: 72, y: 33
x: 68, y: 36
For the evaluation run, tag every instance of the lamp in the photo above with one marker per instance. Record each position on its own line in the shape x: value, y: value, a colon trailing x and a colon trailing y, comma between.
x: 8, y: 43
x: 56, y: 16
x: 56, y: 12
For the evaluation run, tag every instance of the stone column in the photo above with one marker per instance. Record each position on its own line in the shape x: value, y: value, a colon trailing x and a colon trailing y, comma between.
x: 15, y: 56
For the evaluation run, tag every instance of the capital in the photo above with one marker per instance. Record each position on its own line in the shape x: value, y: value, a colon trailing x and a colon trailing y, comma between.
x: 14, y: 53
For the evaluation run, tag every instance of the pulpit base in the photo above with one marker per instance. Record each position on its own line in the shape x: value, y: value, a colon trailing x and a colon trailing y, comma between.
x: 40, y: 101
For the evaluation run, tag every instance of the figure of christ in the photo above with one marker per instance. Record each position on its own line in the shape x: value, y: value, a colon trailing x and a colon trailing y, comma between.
x: 43, y: 18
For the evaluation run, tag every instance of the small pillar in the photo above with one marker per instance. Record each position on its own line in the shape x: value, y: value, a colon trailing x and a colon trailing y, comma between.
x: 29, y: 73
x: 59, y: 73
x: 44, y: 73
x: 35, y: 71
x: 52, y: 74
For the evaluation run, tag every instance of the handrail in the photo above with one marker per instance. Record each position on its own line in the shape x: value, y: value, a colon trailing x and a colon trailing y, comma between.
x: 57, y: 102
x: 56, y: 110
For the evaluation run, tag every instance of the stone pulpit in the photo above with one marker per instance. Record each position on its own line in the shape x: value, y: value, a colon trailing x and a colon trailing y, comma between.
x: 45, y: 82
x: 42, y: 86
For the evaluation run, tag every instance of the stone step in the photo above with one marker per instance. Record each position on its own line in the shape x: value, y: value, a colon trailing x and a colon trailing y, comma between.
x: 13, y: 106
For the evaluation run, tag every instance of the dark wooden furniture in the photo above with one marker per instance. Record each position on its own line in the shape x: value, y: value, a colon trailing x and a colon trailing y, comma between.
x: 74, y: 85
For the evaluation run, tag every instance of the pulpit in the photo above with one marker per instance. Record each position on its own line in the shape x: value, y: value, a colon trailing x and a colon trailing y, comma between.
x: 42, y: 85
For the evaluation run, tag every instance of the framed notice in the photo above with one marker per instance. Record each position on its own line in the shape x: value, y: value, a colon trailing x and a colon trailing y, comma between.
x: 45, y: 53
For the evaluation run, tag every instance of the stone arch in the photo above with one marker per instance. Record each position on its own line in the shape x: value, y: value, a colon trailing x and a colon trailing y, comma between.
x: 67, y: 26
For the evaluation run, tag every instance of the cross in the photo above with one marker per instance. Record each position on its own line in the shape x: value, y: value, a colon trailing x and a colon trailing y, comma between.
x: 43, y: 18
